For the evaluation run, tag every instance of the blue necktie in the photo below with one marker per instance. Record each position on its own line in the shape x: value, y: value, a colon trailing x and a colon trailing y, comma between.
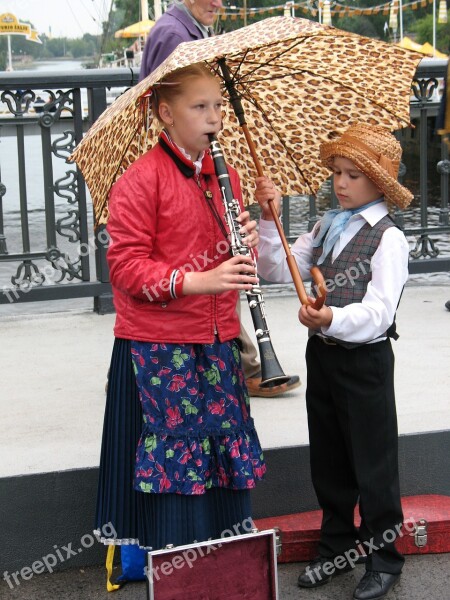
x: 333, y: 224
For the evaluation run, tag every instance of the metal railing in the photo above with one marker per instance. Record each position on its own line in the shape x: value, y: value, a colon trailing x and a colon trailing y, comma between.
x: 48, y: 247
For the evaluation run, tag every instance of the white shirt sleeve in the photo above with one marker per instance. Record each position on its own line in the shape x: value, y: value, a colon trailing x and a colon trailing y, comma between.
x: 366, y: 320
x: 272, y: 264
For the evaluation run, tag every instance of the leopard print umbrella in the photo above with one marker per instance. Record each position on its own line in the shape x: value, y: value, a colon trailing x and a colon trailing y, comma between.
x: 301, y: 83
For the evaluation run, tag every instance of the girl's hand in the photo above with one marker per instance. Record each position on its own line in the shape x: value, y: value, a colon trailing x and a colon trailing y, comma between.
x: 265, y: 191
x: 249, y: 227
x: 315, y: 319
x: 237, y: 273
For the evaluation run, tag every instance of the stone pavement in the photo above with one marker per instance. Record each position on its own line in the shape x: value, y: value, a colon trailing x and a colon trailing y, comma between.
x: 59, y: 361
x: 53, y: 372
x: 425, y: 577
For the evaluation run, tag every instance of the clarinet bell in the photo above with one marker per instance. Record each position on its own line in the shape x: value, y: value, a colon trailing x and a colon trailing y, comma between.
x: 271, y: 372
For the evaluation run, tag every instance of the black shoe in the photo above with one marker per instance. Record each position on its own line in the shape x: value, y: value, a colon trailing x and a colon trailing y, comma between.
x: 447, y: 305
x: 375, y: 585
x: 320, y: 571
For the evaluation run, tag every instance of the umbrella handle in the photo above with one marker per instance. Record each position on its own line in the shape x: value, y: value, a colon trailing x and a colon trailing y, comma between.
x: 293, y: 267
x: 319, y: 282
x: 317, y: 277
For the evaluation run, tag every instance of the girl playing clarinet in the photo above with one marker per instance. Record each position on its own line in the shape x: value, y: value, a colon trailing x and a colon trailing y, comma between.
x: 180, y: 451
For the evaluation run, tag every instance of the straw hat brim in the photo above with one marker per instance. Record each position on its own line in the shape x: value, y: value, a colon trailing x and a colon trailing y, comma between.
x: 392, y: 190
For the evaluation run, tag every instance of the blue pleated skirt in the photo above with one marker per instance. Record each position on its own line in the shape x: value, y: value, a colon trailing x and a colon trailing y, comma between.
x: 124, y: 515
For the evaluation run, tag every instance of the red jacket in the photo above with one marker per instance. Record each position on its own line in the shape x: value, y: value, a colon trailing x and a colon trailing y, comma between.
x: 160, y: 221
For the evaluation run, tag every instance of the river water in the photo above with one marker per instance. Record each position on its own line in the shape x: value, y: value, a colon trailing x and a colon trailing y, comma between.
x: 35, y: 200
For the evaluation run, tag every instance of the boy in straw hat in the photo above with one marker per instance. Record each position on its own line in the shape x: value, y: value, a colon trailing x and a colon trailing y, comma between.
x: 350, y: 381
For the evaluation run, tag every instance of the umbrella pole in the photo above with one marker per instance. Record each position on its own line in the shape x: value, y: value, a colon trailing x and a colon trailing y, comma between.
x: 292, y: 264
x: 293, y: 268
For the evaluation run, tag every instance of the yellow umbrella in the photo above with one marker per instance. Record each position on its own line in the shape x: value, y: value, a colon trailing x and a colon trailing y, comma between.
x: 408, y: 43
x: 136, y: 30
x: 427, y: 48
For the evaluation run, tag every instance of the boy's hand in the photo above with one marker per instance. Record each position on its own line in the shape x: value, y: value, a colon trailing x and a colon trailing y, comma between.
x: 315, y: 319
x: 265, y: 191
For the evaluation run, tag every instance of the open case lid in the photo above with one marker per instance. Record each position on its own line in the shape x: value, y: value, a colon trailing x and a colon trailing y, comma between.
x: 231, y: 568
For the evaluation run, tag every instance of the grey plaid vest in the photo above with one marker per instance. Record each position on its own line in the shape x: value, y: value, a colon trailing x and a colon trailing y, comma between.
x: 348, y: 276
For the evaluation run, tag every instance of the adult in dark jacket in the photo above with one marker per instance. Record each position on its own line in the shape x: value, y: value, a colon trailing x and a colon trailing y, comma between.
x: 186, y: 21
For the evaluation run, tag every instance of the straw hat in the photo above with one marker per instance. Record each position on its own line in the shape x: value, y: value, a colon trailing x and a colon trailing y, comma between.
x: 375, y: 152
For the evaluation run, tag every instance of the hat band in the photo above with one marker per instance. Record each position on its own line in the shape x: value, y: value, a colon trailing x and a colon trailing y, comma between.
x: 386, y: 163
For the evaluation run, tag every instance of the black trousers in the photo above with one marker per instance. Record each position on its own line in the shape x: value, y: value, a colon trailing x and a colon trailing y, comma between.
x: 354, y: 449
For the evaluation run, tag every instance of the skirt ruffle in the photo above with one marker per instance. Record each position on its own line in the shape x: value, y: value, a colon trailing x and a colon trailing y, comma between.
x: 193, y: 464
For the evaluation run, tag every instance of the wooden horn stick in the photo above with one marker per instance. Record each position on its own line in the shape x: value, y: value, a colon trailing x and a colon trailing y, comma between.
x: 292, y: 264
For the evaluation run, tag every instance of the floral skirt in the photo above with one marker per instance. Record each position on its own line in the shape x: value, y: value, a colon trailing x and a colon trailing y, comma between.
x: 152, y: 520
x: 198, y: 432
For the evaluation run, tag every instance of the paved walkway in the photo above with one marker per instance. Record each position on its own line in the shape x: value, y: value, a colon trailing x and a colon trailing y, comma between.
x: 53, y: 373
x: 424, y: 577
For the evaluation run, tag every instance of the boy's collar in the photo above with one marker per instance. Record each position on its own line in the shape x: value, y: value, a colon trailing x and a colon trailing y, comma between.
x: 364, y: 207
x: 372, y: 213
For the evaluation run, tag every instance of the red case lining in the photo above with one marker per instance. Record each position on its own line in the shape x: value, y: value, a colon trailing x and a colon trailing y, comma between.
x: 235, y: 569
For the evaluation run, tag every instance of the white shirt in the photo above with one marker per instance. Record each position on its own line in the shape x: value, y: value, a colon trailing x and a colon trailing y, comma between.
x: 197, y: 163
x: 359, y: 322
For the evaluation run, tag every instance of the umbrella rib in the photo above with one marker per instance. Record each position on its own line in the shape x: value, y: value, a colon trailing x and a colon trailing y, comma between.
x: 361, y: 94
x: 249, y: 98
x: 260, y: 65
x: 217, y: 71
x: 240, y: 81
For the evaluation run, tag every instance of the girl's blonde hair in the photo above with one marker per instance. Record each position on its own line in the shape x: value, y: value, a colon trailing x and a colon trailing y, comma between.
x: 173, y: 85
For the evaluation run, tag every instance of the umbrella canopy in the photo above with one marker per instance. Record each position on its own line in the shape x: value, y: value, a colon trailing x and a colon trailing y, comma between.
x: 300, y: 83
x: 136, y: 30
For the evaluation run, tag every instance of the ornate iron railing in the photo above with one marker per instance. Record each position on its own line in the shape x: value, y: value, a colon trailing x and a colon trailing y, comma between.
x: 48, y: 247
x: 70, y: 261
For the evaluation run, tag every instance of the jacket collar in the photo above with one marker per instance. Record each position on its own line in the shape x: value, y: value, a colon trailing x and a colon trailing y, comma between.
x: 204, y: 30
x: 185, y: 19
x: 185, y: 165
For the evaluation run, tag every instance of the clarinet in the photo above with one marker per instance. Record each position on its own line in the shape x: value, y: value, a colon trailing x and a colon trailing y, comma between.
x: 271, y: 371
